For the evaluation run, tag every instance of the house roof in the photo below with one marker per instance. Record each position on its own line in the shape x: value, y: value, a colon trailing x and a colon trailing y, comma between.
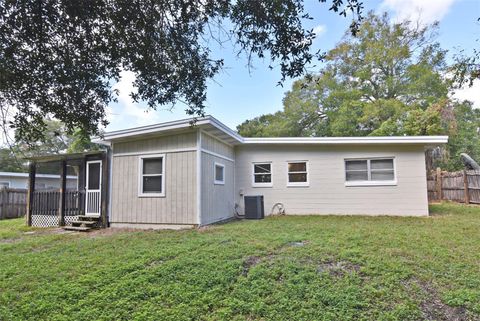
x: 208, y: 124
x: 214, y: 127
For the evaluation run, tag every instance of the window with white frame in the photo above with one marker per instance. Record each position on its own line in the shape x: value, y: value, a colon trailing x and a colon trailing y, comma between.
x: 219, y: 172
x: 152, y: 175
x: 4, y: 184
x: 262, y: 174
x: 297, y: 173
x: 370, y: 170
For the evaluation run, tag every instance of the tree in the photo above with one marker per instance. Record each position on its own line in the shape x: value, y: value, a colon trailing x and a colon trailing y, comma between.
x: 389, y: 80
x: 467, y: 67
x: 9, y: 162
x: 56, y: 139
x: 464, y: 137
x: 373, y: 78
x: 59, y: 59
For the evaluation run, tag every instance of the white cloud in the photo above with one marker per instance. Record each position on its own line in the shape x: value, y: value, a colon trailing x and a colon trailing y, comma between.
x: 128, y: 113
x: 319, y: 30
x: 426, y: 11
x: 470, y: 93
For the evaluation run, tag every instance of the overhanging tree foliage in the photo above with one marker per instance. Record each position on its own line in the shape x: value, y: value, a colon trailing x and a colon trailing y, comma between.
x: 466, y: 69
x: 59, y: 58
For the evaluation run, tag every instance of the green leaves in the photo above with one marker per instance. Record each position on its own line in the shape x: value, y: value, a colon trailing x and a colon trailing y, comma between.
x: 59, y: 59
x: 388, y: 80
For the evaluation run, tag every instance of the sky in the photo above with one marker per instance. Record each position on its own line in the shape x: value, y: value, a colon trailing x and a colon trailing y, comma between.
x: 237, y: 93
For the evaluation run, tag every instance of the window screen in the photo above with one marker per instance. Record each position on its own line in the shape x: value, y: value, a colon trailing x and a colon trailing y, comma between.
x: 152, y: 175
x: 369, y: 170
x: 93, y: 176
x: 297, y: 172
x: 262, y: 173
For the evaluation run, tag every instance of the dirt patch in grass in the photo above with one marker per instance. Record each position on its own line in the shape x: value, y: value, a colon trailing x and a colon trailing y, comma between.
x: 48, y: 231
x: 36, y: 232
x: 112, y: 231
x: 338, y: 268
x: 432, y: 307
x: 11, y: 241
x: 250, y: 262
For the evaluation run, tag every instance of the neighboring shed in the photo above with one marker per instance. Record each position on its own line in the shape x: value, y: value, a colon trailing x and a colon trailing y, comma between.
x: 43, y: 181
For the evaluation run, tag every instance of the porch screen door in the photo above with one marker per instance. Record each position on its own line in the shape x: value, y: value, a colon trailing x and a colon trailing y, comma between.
x: 93, y: 188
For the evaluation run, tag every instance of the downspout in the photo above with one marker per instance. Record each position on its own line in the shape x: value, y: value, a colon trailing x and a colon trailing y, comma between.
x: 199, y: 177
x: 110, y: 181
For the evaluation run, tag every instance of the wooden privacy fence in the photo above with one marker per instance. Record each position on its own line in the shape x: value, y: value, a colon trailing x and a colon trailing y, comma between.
x: 461, y: 186
x: 13, y: 202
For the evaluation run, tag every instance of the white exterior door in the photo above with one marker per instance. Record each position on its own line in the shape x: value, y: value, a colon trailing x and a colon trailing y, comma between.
x: 93, y: 188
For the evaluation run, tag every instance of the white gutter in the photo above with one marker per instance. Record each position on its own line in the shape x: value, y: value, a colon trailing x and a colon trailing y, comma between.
x: 349, y: 140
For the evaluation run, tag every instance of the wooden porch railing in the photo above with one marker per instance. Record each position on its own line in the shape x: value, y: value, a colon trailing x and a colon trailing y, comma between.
x: 46, y: 206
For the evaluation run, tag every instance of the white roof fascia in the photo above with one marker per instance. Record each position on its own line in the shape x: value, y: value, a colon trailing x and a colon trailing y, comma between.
x: 349, y: 140
x: 209, y: 120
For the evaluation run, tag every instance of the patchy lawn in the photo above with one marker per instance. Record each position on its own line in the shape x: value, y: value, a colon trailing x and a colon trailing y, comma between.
x: 280, y: 268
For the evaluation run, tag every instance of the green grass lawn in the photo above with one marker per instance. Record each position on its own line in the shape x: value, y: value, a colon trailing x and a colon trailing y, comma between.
x: 280, y: 268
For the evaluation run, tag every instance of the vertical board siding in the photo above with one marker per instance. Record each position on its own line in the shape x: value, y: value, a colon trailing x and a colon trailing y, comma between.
x: 179, y: 141
x: 217, y: 200
x: 178, y: 205
x: 216, y: 146
x: 327, y: 193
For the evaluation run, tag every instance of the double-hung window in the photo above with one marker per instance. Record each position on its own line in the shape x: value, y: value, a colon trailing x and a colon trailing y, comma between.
x: 375, y: 171
x: 151, y: 176
x: 297, y: 173
x: 262, y: 175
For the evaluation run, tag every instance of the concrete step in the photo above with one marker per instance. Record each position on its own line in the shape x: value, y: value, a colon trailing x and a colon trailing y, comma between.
x: 77, y: 228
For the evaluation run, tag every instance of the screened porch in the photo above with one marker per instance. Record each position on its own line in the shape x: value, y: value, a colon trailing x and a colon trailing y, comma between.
x: 82, y: 193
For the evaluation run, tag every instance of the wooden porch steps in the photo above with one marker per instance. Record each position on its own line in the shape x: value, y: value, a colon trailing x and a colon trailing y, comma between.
x: 77, y: 228
x: 83, y: 224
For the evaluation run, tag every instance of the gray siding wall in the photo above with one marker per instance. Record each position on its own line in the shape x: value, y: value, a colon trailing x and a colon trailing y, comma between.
x: 217, y: 200
x: 216, y: 146
x: 183, y: 140
x: 327, y: 193
x: 179, y: 206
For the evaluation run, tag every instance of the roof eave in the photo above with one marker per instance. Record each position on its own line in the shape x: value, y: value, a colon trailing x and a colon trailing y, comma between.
x: 422, y: 140
x: 165, y: 127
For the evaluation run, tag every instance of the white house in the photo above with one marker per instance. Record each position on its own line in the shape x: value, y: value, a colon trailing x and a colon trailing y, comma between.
x: 177, y: 175
x: 43, y: 181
